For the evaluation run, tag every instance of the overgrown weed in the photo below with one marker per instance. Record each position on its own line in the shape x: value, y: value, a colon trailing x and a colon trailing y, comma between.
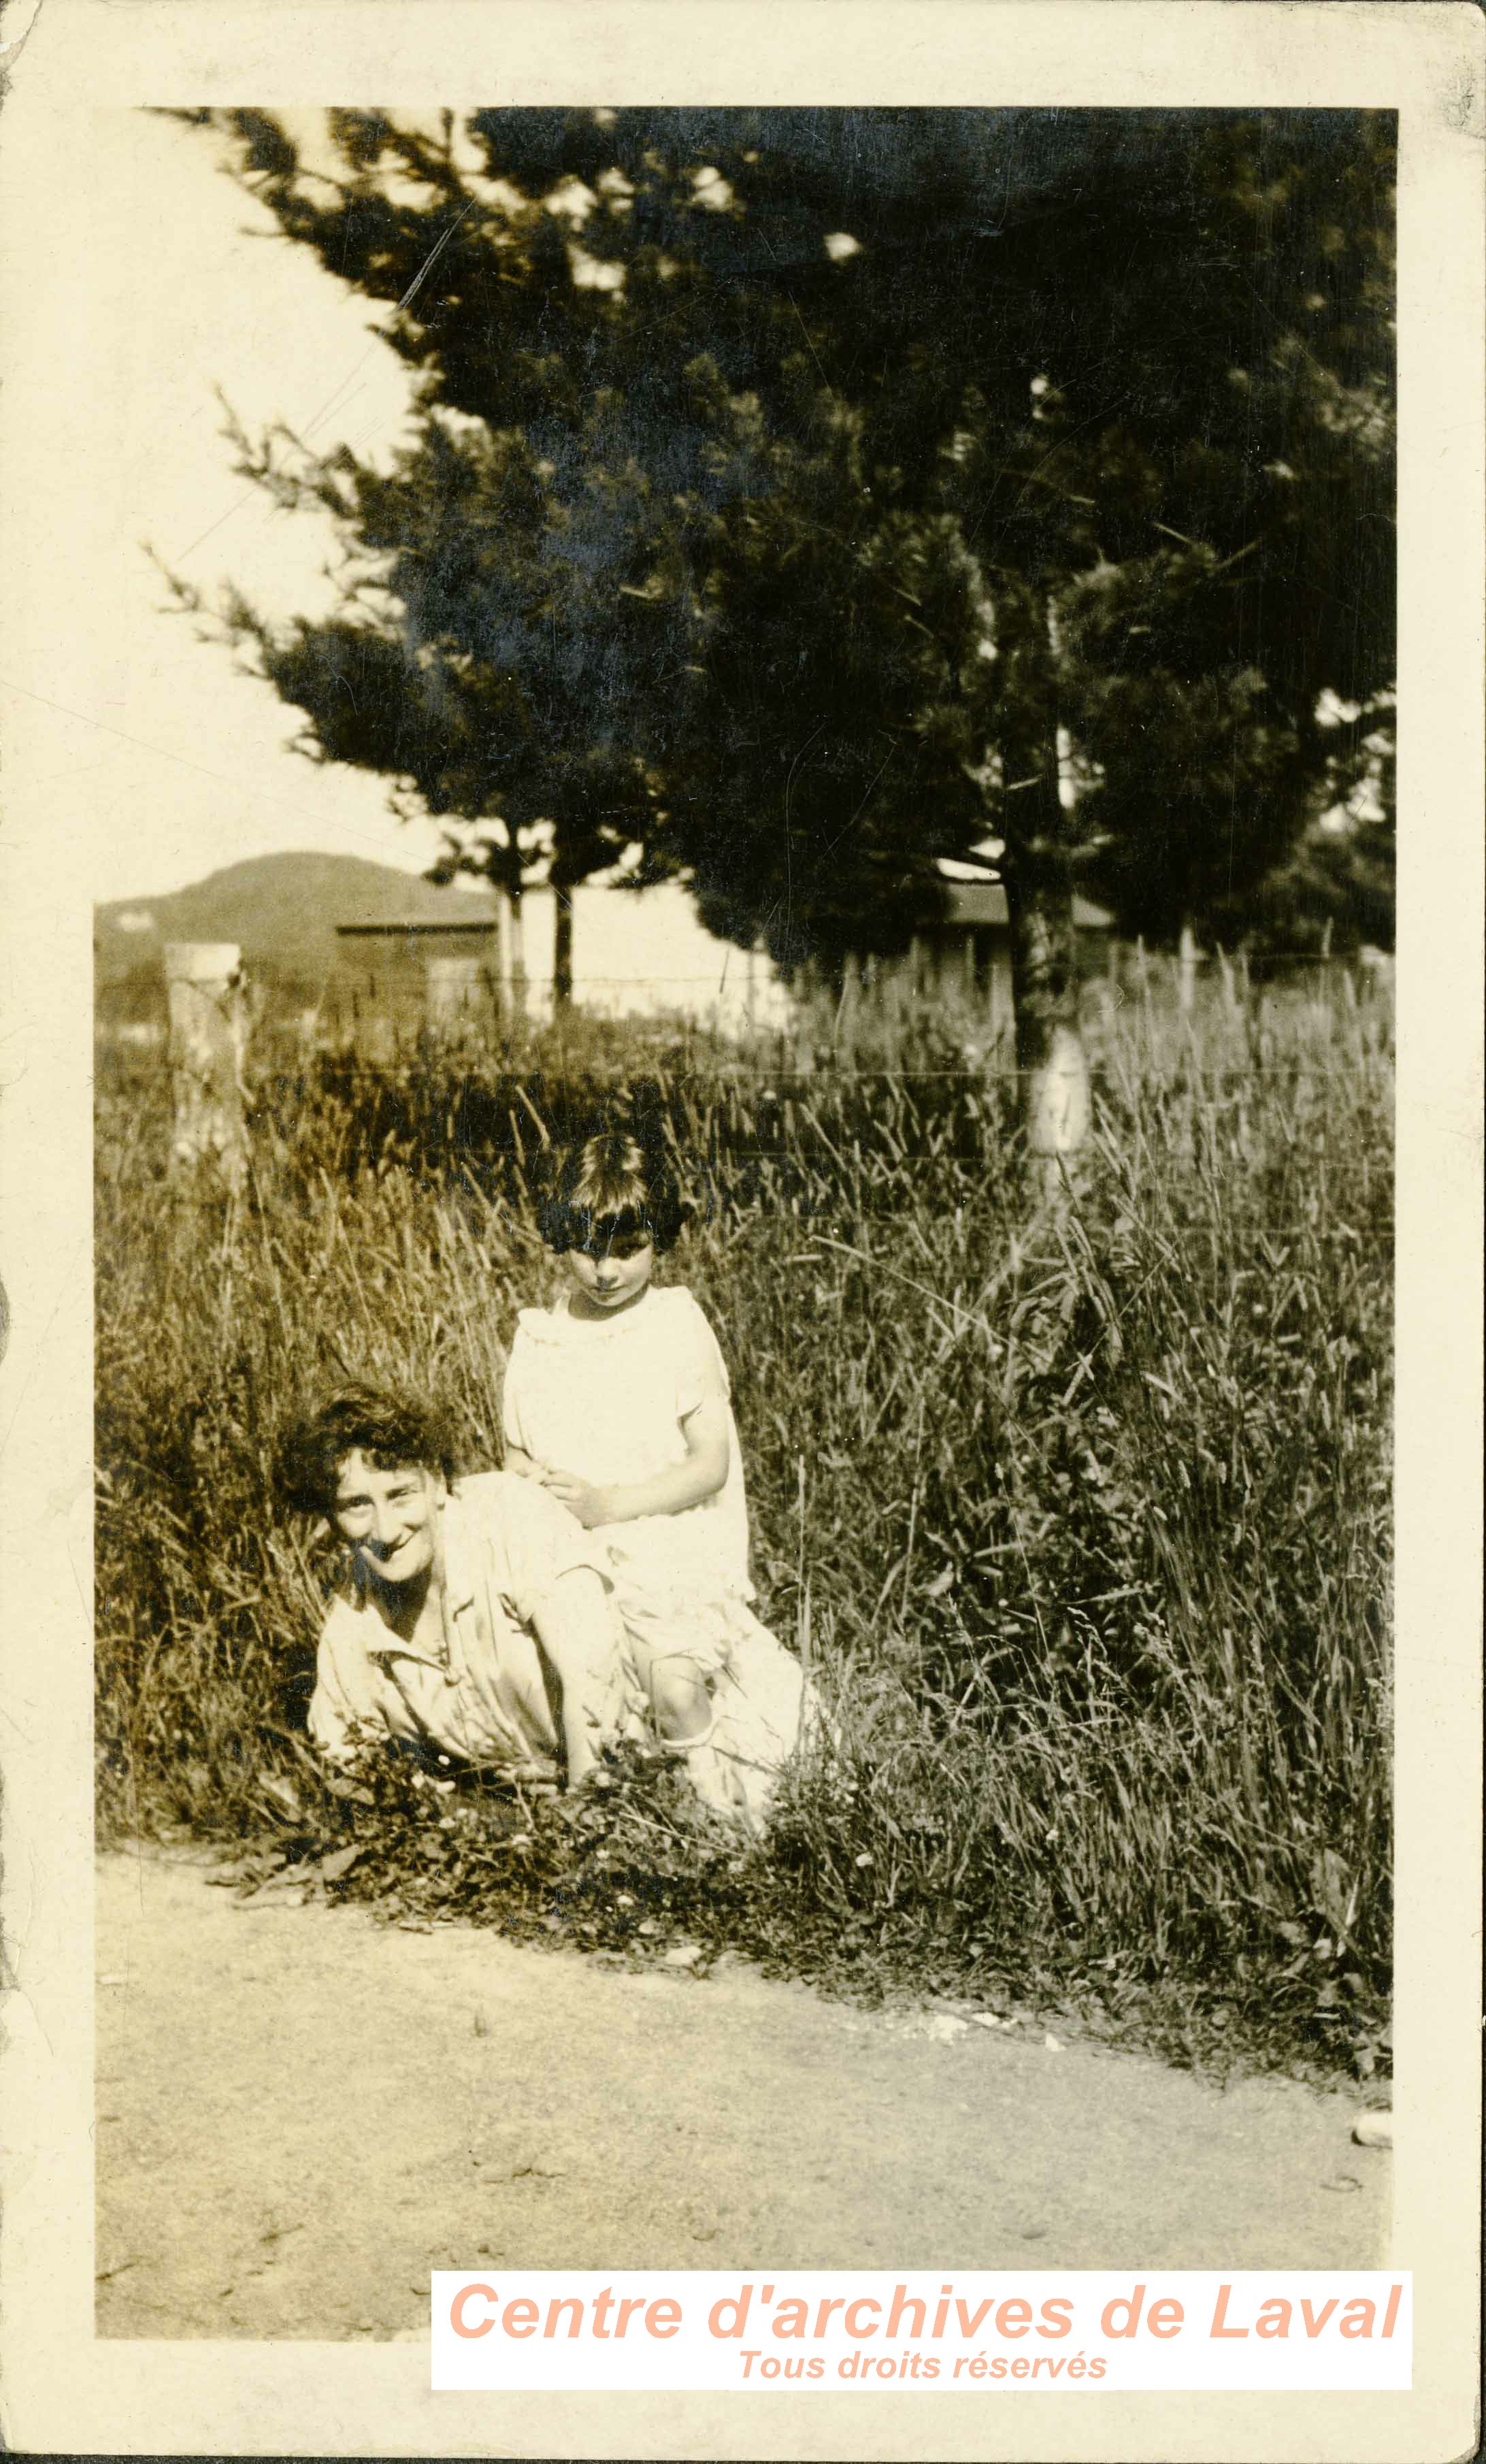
x: 1080, y: 1513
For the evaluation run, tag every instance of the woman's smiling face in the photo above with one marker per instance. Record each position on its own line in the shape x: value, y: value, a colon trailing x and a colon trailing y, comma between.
x: 389, y: 1516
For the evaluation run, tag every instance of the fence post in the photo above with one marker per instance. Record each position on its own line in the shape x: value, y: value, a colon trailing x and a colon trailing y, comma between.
x: 208, y: 1032
x: 1187, y: 971
x: 848, y: 1007
x: 459, y: 995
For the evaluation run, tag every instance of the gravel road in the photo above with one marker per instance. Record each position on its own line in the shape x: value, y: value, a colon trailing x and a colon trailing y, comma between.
x: 302, y: 2111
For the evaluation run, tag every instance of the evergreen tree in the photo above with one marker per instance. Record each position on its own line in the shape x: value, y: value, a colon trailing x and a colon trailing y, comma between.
x: 1333, y: 893
x: 477, y: 657
x: 1162, y: 407
x: 896, y: 453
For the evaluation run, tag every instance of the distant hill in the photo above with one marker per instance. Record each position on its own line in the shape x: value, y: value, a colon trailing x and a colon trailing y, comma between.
x: 281, y: 909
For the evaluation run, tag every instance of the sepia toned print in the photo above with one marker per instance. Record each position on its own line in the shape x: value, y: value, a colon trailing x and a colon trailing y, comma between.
x: 744, y: 1343
x: 907, y: 536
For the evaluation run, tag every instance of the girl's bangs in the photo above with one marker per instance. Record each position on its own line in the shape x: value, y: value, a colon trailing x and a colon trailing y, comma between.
x: 583, y: 1227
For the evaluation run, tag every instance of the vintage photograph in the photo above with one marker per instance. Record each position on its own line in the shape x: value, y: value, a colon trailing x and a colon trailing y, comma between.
x: 744, y: 1066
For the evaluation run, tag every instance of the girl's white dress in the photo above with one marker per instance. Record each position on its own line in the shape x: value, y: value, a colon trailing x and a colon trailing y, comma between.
x: 605, y: 1399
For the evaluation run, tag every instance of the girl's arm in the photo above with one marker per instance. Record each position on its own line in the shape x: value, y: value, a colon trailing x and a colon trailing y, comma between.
x: 704, y: 1434
x: 517, y: 1456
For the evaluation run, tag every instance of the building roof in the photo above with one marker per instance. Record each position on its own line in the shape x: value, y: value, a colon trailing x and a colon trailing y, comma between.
x: 406, y: 930
x: 983, y: 902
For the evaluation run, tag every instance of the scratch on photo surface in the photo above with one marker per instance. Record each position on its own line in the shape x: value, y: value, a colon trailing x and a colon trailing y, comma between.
x: 10, y: 1940
x: 339, y: 391
x: 12, y: 47
x: 125, y: 735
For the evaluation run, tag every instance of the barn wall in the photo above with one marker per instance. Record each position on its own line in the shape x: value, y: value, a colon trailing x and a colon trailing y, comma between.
x: 642, y: 953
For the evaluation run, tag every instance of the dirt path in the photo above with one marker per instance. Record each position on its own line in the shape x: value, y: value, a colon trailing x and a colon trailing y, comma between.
x: 302, y: 2111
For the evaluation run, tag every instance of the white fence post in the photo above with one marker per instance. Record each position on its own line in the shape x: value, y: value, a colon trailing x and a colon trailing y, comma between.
x: 459, y: 995
x: 208, y: 1032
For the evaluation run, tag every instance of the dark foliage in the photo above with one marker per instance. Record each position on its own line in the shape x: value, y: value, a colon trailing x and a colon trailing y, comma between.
x: 804, y: 495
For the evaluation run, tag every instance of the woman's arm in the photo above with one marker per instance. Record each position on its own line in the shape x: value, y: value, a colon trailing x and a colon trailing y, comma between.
x: 574, y: 1630
x: 524, y: 1465
x: 704, y: 1434
x: 341, y: 1717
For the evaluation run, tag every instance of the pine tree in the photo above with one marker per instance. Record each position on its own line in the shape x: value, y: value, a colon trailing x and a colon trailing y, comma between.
x: 889, y: 456
x: 478, y: 657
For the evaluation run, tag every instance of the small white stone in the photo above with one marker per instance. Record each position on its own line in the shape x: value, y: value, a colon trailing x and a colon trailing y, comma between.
x: 1374, y: 2130
x: 940, y: 2027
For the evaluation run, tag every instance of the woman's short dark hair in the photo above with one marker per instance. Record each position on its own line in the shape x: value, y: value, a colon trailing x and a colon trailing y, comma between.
x: 388, y: 1428
x: 611, y: 1187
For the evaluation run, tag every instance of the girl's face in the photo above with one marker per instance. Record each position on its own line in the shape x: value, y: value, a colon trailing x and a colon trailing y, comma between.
x: 391, y: 1518
x: 611, y: 1273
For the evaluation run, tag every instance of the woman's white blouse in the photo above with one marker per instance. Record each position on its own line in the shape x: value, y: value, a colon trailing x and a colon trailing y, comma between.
x: 605, y: 1399
x: 482, y: 1695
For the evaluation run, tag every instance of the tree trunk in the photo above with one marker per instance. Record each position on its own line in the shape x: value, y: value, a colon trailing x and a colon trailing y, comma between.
x: 1051, y: 1063
x: 1052, y: 1066
x: 562, y: 948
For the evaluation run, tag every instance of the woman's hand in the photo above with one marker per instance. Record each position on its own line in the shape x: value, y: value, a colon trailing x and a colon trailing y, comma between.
x: 575, y: 1633
x: 589, y: 1505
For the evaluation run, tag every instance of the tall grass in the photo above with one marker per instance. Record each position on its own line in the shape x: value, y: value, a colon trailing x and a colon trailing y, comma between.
x: 1081, y: 1511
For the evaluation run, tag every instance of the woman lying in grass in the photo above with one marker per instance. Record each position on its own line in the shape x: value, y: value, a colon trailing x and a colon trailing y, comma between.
x: 475, y: 1621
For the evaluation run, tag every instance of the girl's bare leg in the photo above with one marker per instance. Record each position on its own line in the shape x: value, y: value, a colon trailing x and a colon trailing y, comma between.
x: 683, y: 1705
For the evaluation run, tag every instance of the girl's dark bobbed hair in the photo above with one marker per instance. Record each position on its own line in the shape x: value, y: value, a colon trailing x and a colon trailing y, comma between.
x: 389, y: 1427
x: 616, y: 1183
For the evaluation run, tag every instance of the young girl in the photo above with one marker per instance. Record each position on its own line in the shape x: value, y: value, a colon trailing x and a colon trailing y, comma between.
x: 617, y: 1400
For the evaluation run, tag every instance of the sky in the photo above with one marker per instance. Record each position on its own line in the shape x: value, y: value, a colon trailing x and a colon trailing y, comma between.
x: 182, y: 765
x: 168, y: 761
x: 171, y: 760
